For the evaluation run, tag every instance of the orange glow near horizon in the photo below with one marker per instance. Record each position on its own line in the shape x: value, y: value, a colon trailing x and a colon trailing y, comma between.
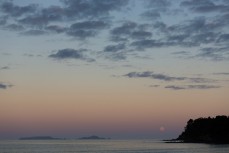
x: 110, y: 113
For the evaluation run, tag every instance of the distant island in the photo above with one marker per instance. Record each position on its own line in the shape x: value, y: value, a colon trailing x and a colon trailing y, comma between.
x: 39, y: 138
x: 93, y: 138
x: 206, y: 130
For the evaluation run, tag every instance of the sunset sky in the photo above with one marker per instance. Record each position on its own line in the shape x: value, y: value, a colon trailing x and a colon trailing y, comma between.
x: 113, y: 68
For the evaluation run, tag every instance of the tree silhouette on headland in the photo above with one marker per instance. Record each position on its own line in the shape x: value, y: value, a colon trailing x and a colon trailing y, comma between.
x: 206, y: 130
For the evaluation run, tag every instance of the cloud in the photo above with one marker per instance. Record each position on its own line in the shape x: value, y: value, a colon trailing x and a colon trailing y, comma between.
x: 204, y: 6
x: 5, y: 86
x: 68, y: 53
x: 149, y: 74
x: 125, y: 29
x: 81, y: 34
x: 154, y: 86
x: 209, y: 53
x: 174, y: 87
x: 92, y: 17
x: 147, y: 43
x: 129, y: 30
x: 161, y: 26
x: 3, y: 20
x: 86, y: 29
x: 37, y: 21
x: 221, y: 19
x: 14, y: 27
x: 186, y: 39
x: 4, y: 68
x: 92, y: 8
x: 141, y: 34
x: 224, y: 38
x: 9, y: 8
x: 195, y: 25
x: 33, y: 14
x: 43, y: 17
x: 158, y: 76
x: 116, y: 52
x: 34, y: 17
x: 181, y: 53
x: 157, y: 3
x: 71, y: 54
x: 114, y: 48
x: 194, y: 32
x: 196, y: 3
x: 204, y: 38
x: 168, y: 78
x: 34, y: 32
x: 115, y: 56
x: 200, y: 80
x: 55, y: 28
x: 155, y: 8
x: 151, y: 14
x: 86, y: 25
x: 53, y: 13
x: 188, y: 33
x: 214, y: 53
x: 221, y: 73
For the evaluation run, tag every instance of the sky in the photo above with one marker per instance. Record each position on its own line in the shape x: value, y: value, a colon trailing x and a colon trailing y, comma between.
x: 117, y: 68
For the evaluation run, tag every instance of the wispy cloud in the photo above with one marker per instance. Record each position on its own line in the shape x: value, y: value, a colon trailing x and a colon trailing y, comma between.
x: 164, y: 77
x: 34, y: 32
x: 221, y: 73
x: 4, y: 68
x: 5, y: 85
x: 184, y: 87
x: 154, y: 86
x: 194, y: 82
x: 149, y: 74
x: 204, y: 6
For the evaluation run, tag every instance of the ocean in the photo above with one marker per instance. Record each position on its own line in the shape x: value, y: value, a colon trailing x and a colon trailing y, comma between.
x: 106, y: 146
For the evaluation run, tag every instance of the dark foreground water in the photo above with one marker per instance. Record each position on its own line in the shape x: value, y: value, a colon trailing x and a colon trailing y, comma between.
x: 106, y: 146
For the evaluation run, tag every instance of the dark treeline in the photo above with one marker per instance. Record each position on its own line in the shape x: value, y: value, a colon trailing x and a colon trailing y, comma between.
x: 206, y: 130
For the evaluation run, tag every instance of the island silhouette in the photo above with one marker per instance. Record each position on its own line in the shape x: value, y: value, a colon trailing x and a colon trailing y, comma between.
x: 39, y: 138
x: 206, y: 130
x: 93, y: 137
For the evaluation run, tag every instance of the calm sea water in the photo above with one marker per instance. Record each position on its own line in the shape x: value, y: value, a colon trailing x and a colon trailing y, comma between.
x: 106, y: 146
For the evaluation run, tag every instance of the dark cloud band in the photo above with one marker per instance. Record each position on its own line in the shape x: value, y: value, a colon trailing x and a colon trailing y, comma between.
x: 71, y: 54
x: 173, y: 87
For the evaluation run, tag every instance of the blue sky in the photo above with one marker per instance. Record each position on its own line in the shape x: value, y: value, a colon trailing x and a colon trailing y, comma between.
x: 64, y: 49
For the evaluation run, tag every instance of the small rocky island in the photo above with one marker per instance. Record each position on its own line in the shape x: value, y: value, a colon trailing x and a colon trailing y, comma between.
x: 39, y: 138
x: 92, y: 138
x: 206, y: 130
